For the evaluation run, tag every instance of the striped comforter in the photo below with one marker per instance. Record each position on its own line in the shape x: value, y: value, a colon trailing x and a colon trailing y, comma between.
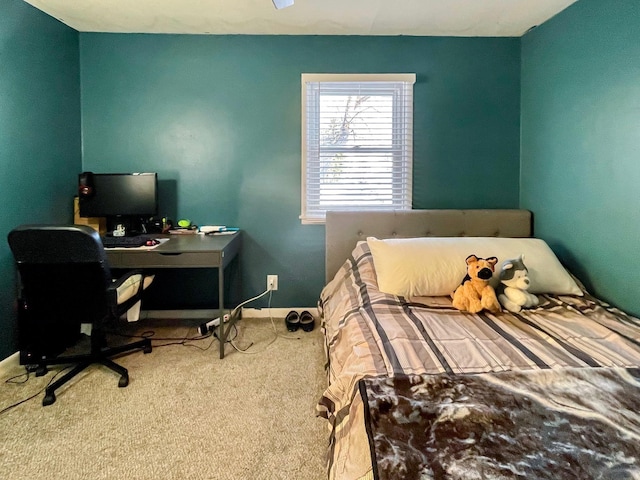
x: 372, y: 334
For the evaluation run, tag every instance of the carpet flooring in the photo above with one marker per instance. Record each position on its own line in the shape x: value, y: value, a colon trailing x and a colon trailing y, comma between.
x: 186, y: 414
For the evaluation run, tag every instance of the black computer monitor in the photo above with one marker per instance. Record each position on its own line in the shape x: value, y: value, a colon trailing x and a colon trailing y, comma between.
x: 116, y: 196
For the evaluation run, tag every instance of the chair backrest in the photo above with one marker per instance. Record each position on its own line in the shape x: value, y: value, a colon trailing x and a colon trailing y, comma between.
x: 54, y: 244
x: 64, y: 274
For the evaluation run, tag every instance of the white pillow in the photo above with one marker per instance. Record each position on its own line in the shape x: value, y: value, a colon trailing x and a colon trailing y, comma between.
x: 434, y: 266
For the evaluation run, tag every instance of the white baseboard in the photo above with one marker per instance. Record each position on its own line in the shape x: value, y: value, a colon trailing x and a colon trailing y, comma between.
x: 179, y: 314
x: 275, y: 312
x: 9, y: 363
x: 213, y: 313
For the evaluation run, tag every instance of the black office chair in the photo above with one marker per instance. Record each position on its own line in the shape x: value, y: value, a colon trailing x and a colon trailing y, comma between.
x: 65, y: 281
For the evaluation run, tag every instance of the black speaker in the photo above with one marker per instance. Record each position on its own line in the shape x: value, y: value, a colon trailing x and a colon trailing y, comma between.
x: 154, y: 225
x: 86, y: 188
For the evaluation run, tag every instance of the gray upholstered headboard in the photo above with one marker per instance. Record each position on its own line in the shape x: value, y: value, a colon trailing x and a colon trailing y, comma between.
x: 345, y: 229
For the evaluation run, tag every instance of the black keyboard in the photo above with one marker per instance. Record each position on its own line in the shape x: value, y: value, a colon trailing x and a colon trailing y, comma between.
x: 123, y: 242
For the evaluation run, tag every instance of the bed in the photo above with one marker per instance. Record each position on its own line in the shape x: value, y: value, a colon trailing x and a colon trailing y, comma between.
x: 418, y: 389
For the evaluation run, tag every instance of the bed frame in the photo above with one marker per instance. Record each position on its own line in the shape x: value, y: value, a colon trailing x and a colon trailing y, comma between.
x: 345, y: 229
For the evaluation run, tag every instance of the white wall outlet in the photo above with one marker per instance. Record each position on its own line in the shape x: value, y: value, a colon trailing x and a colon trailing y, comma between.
x: 272, y: 282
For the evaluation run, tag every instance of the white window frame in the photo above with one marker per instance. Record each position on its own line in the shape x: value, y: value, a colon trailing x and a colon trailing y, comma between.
x: 402, y: 110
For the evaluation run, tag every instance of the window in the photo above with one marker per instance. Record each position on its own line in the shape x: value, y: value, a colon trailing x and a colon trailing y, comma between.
x: 357, y: 143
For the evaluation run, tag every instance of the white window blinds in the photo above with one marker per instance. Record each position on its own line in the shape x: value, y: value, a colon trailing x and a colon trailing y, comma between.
x: 357, y: 139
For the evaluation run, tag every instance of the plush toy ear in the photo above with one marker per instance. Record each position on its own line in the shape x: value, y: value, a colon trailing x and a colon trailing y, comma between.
x: 471, y: 259
x: 507, y: 266
x: 492, y: 260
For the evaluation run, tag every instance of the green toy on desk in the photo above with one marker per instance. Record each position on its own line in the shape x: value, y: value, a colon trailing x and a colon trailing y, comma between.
x: 184, y: 226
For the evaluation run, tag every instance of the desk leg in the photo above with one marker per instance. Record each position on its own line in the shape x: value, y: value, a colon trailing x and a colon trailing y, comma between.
x: 224, y: 330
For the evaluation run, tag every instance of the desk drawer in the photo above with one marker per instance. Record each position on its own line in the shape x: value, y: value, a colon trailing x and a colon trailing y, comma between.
x: 164, y: 260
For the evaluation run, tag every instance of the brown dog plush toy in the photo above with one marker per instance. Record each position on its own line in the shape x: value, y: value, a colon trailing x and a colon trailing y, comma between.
x: 475, y: 293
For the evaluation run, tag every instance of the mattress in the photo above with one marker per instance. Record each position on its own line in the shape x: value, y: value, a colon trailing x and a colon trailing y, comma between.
x: 370, y: 334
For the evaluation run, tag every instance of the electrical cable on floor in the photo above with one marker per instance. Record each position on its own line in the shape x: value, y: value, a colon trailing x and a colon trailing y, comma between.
x: 10, y: 380
x: 182, y: 341
x: 275, y: 330
x: 150, y: 334
x: 178, y: 341
x: 13, y: 380
x: 147, y: 334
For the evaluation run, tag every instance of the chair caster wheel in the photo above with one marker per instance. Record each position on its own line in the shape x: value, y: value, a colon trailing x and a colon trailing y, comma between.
x: 48, y: 399
x: 123, y: 382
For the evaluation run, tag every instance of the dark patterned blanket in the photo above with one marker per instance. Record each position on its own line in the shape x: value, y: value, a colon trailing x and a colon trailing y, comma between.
x: 574, y: 423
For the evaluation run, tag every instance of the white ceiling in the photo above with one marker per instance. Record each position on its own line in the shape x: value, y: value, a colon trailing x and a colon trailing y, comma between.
x: 463, y: 18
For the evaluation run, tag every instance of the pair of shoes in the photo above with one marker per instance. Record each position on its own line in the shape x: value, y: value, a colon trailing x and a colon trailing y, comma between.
x: 305, y: 321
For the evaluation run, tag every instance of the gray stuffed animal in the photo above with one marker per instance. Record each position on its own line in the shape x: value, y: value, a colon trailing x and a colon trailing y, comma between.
x: 514, y: 283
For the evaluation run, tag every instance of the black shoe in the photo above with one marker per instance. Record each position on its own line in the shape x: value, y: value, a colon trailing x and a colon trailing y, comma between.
x: 292, y: 321
x: 307, y: 322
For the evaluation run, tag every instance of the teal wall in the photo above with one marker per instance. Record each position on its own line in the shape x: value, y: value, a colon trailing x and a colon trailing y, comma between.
x: 39, y: 134
x: 218, y: 117
x: 580, y: 157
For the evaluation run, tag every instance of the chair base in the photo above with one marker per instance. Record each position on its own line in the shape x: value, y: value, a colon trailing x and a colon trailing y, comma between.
x: 97, y: 355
